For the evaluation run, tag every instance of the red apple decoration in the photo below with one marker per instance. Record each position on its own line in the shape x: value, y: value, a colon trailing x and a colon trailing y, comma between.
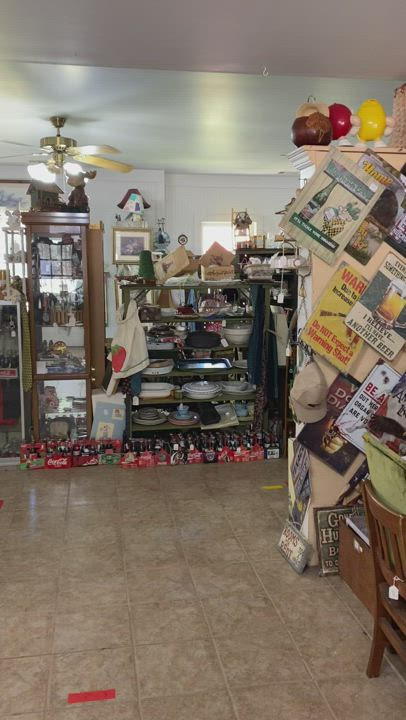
x: 340, y: 118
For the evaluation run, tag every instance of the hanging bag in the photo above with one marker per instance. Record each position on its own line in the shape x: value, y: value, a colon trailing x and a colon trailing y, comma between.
x: 129, y: 354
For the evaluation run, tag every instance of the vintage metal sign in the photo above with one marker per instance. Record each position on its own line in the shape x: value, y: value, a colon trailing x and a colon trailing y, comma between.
x: 325, y: 331
x: 331, y: 207
x: 294, y: 547
x: 327, y: 521
x: 379, y: 316
x: 354, y: 419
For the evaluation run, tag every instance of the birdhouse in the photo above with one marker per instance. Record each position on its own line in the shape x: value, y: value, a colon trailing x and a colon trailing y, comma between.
x: 45, y: 196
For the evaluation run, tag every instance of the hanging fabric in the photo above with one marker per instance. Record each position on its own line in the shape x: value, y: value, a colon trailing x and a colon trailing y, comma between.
x: 129, y: 354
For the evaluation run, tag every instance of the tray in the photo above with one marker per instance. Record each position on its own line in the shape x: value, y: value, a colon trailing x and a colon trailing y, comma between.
x: 204, y: 364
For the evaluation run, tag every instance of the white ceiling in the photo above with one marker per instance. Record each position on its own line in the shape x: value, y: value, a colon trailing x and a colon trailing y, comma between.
x: 88, y: 58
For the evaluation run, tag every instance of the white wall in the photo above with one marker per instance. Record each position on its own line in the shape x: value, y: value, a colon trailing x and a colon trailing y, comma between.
x: 192, y: 199
x: 184, y: 200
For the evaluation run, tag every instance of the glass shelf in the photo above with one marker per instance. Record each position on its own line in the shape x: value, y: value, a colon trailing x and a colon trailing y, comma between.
x: 62, y: 408
x: 58, y: 303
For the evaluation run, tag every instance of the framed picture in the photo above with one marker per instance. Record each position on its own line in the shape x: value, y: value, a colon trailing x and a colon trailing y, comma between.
x: 128, y: 243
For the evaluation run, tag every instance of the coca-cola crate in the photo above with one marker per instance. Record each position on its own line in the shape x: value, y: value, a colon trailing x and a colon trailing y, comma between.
x: 58, y: 462
x: 32, y: 456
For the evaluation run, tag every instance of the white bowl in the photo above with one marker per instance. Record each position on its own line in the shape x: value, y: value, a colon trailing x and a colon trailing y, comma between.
x: 238, y: 336
x: 155, y: 390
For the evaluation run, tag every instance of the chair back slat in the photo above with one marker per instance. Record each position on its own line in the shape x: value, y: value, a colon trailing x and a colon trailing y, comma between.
x: 388, y: 539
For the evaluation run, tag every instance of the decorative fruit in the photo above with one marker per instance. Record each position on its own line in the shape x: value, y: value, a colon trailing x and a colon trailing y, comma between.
x: 340, y: 118
x: 308, y: 108
x: 118, y: 355
x: 373, y: 120
x: 315, y: 129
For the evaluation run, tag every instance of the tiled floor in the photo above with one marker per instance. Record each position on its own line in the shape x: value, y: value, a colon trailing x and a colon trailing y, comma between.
x: 166, y: 585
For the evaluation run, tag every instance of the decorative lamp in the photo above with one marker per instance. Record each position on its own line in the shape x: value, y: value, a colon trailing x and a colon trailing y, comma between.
x: 241, y: 223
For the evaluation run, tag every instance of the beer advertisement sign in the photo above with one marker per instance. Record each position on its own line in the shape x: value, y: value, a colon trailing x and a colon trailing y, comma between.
x: 379, y: 316
x: 325, y: 331
x: 331, y: 207
x: 354, y: 419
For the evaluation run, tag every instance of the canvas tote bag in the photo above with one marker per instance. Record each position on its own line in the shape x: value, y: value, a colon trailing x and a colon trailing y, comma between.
x: 129, y: 354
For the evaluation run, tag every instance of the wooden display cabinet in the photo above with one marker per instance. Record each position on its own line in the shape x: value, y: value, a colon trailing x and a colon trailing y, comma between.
x: 57, y: 257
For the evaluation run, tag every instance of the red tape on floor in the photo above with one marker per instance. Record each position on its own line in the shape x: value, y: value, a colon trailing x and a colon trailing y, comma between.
x: 91, y: 696
x: 1, y: 503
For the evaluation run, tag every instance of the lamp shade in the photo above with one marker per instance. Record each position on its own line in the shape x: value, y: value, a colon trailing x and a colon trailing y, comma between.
x: 133, y: 202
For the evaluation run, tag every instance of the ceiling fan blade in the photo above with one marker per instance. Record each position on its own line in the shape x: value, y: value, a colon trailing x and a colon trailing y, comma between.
x: 12, y: 142
x: 20, y: 155
x: 93, y: 150
x: 104, y: 163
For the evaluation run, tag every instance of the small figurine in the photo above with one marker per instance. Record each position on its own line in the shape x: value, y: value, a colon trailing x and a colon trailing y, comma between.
x: 13, y: 220
x: 370, y: 123
x: 78, y: 202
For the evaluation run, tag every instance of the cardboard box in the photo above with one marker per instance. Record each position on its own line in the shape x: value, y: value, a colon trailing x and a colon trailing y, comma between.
x: 218, y: 272
x: 171, y: 265
x: 217, y: 255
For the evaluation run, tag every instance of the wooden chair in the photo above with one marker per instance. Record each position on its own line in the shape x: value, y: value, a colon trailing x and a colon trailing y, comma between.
x: 387, y: 532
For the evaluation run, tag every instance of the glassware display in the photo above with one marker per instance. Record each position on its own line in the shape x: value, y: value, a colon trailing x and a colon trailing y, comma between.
x: 62, y: 408
x: 12, y: 429
x: 58, y: 303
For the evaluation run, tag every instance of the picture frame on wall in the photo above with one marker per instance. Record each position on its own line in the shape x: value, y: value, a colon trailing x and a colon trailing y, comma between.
x: 128, y: 244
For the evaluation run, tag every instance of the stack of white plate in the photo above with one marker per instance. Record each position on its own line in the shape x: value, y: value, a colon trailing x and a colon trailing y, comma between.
x: 203, y: 390
x: 159, y: 367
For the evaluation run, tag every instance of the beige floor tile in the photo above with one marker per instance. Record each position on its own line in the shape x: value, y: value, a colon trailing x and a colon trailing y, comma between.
x: 178, y: 668
x: 24, y: 633
x: 277, y: 575
x: 240, y: 614
x: 104, y: 560
x: 93, y: 670
x: 210, y: 706
x: 152, y: 553
x: 83, y: 516
x: 203, y: 527
x: 214, y: 550
x: 26, y: 716
x: 19, y: 567
x: 220, y: 579
x: 28, y: 595
x: 334, y: 647
x: 167, y: 583
x: 92, y: 491
x: 152, y: 511
x: 306, y: 607
x: 76, y: 594
x: 281, y: 701
x: 92, y: 628
x: 23, y: 685
x: 168, y: 622
x: 42, y: 498
x: 105, y: 710
x: 261, y: 658
x: 95, y: 535
x: 366, y: 699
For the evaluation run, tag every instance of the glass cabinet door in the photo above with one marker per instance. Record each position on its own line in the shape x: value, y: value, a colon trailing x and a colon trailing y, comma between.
x: 58, y: 303
x: 12, y: 429
x: 62, y: 408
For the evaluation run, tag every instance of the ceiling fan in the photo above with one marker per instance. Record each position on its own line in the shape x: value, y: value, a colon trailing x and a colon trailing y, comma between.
x: 62, y: 150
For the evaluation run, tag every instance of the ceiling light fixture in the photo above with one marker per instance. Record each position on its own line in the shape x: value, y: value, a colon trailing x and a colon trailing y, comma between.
x: 40, y: 172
